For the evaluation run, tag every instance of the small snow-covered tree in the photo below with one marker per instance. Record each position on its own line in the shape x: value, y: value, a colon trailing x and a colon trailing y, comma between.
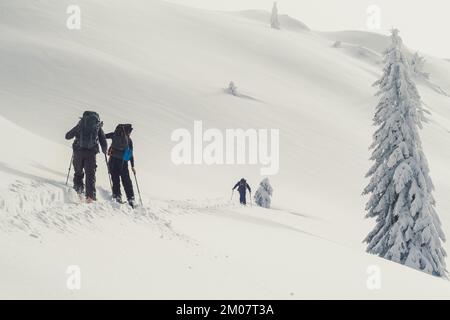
x: 417, y: 66
x: 337, y: 44
x: 232, y: 89
x: 408, y: 229
x: 263, y: 194
x: 274, y: 22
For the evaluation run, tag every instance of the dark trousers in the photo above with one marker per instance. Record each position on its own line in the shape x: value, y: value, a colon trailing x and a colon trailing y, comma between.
x: 242, y: 197
x: 118, y: 169
x: 85, y: 163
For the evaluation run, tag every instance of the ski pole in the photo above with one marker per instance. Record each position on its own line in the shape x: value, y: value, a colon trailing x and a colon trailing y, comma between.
x: 251, y: 203
x: 109, y: 174
x: 137, y: 186
x: 70, y: 168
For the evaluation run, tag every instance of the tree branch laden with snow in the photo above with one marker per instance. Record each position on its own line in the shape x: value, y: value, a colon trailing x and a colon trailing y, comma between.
x: 418, y: 66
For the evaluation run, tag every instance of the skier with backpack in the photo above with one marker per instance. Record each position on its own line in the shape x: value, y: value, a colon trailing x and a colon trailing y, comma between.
x: 88, y: 134
x: 243, y: 186
x: 120, y: 153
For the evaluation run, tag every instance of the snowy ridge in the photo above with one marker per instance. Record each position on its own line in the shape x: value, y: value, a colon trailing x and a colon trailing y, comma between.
x: 263, y: 17
x: 374, y: 41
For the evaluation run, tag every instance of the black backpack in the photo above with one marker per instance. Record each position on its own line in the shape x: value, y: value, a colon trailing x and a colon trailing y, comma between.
x: 89, y: 128
x: 120, y: 140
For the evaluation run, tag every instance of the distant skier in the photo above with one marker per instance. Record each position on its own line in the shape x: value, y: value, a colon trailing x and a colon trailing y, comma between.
x: 121, y: 152
x: 88, y: 134
x: 243, y: 186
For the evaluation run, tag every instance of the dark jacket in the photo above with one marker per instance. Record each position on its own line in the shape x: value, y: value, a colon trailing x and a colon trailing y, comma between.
x: 75, y: 133
x: 243, y: 185
x: 118, y: 154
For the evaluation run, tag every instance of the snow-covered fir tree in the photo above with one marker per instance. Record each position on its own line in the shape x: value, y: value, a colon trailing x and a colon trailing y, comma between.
x: 408, y: 229
x: 417, y: 66
x: 263, y: 194
x: 274, y: 22
x: 232, y: 89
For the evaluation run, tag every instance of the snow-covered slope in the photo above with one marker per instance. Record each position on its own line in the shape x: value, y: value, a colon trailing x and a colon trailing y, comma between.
x: 162, y: 66
x: 374, y: 41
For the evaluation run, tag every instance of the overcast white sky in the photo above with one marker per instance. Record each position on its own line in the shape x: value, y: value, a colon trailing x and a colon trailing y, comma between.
x: 424, y: 24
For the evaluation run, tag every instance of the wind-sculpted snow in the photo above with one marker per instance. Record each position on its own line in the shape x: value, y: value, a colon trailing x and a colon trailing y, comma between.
x: 33, y: 207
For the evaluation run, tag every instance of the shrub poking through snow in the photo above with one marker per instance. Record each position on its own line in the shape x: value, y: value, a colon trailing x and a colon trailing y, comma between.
x: 408, y: 229
x: 263, y: 194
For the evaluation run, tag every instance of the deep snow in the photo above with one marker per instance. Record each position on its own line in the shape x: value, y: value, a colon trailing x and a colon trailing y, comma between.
x: 162, y: 66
